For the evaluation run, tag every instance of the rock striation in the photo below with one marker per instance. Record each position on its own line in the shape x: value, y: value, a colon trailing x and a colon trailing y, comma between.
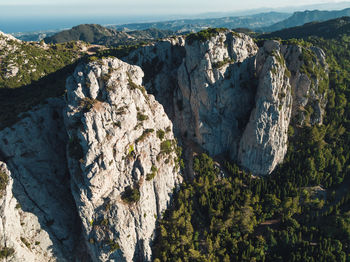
x: 121, y: 141
x: 264, y: 140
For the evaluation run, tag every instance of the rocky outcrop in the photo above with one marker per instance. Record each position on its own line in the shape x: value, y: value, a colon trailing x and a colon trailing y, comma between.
x: 39, y: 218
x: 9, y: 44
x: 216, y: 91
x: 264, y: 141
x: 6, y: 38
x: 122, y: 159
x: 288, y: 83
x: 206, y: 86
x: 209, y: 88
x: 309, y: 81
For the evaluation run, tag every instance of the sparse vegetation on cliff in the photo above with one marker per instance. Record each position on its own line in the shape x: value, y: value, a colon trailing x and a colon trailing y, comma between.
x: 204, y: 35
x: 3, y: 182
x: 131, y: 195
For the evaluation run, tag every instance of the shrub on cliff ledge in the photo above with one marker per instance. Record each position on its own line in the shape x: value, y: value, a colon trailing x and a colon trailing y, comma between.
x: 151, y: 175
x: 6, y: 252
x: 141, y: 117
x: 3, y: 182
x: 166, y: 147
x: 131, y: 195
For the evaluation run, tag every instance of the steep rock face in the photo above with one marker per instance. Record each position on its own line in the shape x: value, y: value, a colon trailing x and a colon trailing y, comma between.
x: 209, y: 88
x: 290, y: 87
x: 123, y: 170
x: 39, y: 219
x: 309, y: 78
x: 264, y: 141
x: 212, y: 100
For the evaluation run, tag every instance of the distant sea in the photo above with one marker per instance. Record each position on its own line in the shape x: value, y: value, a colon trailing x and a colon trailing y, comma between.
x: 31, y: 24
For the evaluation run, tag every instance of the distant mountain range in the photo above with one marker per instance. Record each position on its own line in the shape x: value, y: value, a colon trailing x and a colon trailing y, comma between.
x: 114, y: 35
x: 135, y: 33
x: 300, y: 18
x: 97, y: 34
x: 251, y: 21
x: 327, y: 29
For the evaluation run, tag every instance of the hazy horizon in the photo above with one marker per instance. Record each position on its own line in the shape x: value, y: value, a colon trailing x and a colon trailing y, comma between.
x: 19, y: 16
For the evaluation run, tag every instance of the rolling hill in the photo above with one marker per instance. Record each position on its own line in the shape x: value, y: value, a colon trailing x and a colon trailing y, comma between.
x: 300, y: 18
x: 327, y: 29
x: 97, y: 34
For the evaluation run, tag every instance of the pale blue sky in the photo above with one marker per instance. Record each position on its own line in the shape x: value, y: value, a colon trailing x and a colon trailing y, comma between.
x: 161, y: 6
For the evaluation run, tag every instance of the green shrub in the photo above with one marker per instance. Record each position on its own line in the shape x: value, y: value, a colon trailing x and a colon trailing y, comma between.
x: 151, y: 175
x: 92, y: 58
x: 166, y: 147
x: 25, y: 241
x: 223, y: 62
x: 3, y: 182
x: 117, y: 124
x: 160, y: 134
x: 131, y: 195
x: 132, y: 85
x: 6, y: 252
x: 204, y: 35
x: 287, y: 73
x: 113, y: 245
x: 145, y: 133
x: 131, y: 149
x: 141, y: 117
x: 87, y: 104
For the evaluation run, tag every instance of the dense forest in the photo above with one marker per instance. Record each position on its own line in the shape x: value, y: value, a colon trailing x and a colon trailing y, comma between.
x: 301, y: 212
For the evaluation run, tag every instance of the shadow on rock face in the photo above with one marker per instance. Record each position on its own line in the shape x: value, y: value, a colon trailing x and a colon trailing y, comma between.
x: 35, y: 152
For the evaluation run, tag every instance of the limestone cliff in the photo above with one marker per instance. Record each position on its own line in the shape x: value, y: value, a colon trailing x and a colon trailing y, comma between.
x: 121, y: 157
x: 39, y: 218
x: 88, y: 175
x: 264, y: 140
x: 228, y: 97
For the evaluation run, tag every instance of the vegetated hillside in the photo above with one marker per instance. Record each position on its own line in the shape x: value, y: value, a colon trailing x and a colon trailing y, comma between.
x: 328, y: 29
x: 300, y: 18
x: 97, y: 34
x: 298, y: 213
x: 194, y: 25
x: 31, y: 72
